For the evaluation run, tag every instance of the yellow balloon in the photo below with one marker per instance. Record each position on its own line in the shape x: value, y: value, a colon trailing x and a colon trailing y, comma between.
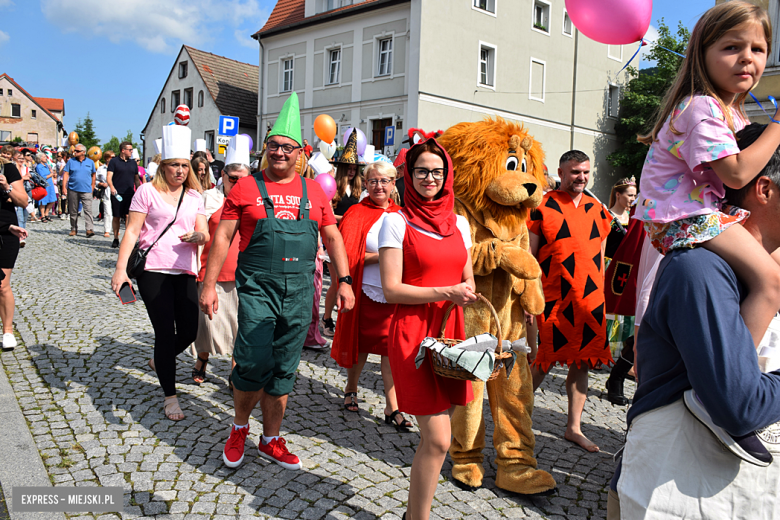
x: 73, y: 138
x: 70, y: 150
x: 94, y: 153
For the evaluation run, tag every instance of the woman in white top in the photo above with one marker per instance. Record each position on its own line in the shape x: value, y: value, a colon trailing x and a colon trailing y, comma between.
x: 366, y: 332
x: 101, y: 182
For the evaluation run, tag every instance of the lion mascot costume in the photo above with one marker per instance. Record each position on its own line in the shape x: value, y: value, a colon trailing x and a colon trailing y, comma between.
x: 498, y: 176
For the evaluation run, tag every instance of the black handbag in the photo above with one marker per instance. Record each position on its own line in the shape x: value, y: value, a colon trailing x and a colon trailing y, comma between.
x: 137, y: 260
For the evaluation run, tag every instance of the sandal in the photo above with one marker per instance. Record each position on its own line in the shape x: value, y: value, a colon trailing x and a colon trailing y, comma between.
x: 172, y: 410
x: 351, y: 406
x: 199, y: 376
x: 405, y: 425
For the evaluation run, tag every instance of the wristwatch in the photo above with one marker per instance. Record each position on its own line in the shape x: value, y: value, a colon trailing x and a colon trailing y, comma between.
x: 346, y: 279
x: 8, y: 191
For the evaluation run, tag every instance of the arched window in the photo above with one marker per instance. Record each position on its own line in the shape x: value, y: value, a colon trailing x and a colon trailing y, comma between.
x: 162, y: 105
x: 200, y: 98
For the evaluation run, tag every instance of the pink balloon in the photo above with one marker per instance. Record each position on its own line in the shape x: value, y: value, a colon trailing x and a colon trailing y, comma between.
x: 614, y: 22
x: 328, y: 184
x: 361, y: 140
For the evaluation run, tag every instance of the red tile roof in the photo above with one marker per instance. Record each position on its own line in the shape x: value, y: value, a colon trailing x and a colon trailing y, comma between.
x: 51, y: 104
x: 290, y: 12
x: 34, y: 100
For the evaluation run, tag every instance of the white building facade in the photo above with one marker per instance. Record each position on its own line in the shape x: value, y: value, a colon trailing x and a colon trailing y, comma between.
x: 211, y: 86
x: 433, y: 63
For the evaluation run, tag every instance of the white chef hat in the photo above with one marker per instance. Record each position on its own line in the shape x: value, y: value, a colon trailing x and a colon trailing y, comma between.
x: 158, y: 145
x: 135, y: 155
x: 176, y: 142
x: 238, y: 150
x: 200, y: 145
x: 319, y: 163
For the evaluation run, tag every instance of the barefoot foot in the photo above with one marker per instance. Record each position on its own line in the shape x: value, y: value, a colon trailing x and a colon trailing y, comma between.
x: 580, y: 440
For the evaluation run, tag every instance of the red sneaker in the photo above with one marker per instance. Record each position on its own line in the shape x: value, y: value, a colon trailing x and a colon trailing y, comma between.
x: 276, y: 450
x: 233, y: 454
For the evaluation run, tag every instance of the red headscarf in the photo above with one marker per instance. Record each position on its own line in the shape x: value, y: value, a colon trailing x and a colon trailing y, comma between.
x: 436, y: 216
x: 354, y: 229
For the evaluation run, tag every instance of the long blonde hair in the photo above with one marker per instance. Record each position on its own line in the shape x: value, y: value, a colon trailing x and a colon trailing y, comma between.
x: 386, y: 169
x: 161, y: 182
x: 692, y: 78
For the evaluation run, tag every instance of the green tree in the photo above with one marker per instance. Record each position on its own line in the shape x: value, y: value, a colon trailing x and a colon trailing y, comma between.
x: 86, y: 131
x: 643, y: 96
x: 113, y: 143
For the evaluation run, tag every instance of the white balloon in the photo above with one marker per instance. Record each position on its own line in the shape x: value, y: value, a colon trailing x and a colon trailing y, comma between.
x: 328, y: 150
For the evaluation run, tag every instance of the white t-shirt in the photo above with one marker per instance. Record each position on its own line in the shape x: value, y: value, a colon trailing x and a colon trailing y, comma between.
x: 100, y: 176
x: 394, y: 229
x: 372, y: 282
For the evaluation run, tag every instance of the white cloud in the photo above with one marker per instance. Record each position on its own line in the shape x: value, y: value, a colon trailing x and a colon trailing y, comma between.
x: 155, y: 25
x: 6, y: 3
x: 245, y: 39
x: 4, y: 37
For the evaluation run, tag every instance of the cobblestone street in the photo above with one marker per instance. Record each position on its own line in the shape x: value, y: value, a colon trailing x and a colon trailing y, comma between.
x: 94, y: 410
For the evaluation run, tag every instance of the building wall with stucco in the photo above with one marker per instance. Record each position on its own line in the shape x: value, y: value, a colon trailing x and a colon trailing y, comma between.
x: 33, y: 124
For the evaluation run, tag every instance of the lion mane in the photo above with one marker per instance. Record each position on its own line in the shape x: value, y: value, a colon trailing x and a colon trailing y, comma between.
x: 479, y: 152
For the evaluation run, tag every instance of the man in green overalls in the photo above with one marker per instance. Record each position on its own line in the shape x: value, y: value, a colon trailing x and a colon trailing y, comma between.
x: 279, y: 214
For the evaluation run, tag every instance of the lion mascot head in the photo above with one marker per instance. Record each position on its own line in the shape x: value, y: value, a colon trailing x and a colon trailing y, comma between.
x: 499, y: 170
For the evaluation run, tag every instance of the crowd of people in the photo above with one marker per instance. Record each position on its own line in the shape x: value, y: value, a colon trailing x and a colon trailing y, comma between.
x: 674, y: 282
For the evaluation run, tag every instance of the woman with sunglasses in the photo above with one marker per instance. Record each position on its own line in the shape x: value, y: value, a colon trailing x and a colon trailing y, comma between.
x: 167, y: 283
x: 217, y: 335
x: 425, y: 265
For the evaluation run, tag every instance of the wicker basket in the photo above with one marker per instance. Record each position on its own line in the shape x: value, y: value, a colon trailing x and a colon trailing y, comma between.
x: 447, y: 368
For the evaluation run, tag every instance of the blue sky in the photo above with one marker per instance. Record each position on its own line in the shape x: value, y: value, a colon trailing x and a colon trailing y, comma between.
x: 110, y: 58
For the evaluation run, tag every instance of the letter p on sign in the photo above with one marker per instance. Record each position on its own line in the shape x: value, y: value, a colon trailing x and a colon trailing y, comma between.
x: 228, y: 125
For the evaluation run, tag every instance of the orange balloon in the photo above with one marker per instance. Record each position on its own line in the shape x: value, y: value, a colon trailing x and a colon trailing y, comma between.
x: 73, y: 138
x: 71, y: 149
x: 94, y: 153
x: 325, y: 128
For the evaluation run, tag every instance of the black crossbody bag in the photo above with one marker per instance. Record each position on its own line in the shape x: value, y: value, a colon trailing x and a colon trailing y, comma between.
x: 137, y: 260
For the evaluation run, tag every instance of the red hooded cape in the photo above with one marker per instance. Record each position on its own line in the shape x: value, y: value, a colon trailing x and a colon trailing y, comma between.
x: 436, y: 216
x: 354, y: 228
x: 620, y: 278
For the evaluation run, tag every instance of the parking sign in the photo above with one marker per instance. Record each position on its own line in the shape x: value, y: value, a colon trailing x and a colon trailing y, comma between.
x: 389, y: 136
x: 228, y: 125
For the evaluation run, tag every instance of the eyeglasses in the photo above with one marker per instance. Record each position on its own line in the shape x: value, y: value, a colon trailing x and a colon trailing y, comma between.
x: 422, y: 173
x: 286, y: 148
x: 383, y: 182
x: 232, y: 178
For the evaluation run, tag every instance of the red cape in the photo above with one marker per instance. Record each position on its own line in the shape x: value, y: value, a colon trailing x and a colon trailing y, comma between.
x: 354, y: 228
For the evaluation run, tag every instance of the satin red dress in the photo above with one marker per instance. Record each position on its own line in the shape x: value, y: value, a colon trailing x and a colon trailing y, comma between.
x: 428, y: 262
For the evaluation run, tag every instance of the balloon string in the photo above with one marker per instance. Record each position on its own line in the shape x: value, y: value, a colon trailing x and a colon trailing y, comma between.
x: 641, y: 43
x: 772, y: 100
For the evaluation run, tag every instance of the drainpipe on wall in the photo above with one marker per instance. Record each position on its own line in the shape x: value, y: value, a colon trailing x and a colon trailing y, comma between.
x: 259, y: 139
x: 574, y: 88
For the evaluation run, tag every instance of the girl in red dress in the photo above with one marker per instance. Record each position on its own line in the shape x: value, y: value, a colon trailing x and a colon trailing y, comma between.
x: 425, y: 264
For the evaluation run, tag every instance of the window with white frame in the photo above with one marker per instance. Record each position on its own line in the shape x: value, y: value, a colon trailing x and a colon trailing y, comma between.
x: 541, y: 16
x: 486, y: 5
x: 537, y: 80
x: 615, y: 52
x: 287, y: 75
x: 5, y: 135
x: 34, y: 114
x: 329, y: 5
x: 385, y: 57
x: 487, y: 65
x: 334, y: 66
x: 209, y: 136
x: 567, y: 30
x: 175, y: 100
x: 182, y: 70
x: 613, y: 101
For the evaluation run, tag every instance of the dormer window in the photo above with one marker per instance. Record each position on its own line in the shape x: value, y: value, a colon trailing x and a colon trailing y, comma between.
x: 329, y: 5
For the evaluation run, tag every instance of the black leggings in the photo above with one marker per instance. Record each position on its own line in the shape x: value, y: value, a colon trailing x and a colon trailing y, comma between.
x: 172, y: 303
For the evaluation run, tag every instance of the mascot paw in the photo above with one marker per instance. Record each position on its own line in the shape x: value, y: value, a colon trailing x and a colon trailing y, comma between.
x: 520, y: 263
x: 526, y: 481
x: 468, y: 477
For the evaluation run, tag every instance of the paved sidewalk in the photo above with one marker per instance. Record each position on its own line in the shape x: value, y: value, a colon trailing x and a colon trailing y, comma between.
x: 94, y: 411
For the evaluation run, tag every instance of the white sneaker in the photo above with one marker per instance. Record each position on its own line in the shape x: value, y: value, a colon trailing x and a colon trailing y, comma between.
x: 9, y: 341
x: 326, y: 346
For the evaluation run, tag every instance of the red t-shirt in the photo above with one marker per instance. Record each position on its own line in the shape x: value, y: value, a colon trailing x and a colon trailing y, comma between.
x: 308, y: 150
x: 245, y: 204
x: 228, y: 272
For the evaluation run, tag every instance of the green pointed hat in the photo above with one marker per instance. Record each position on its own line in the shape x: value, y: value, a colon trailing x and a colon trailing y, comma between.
x: 288, y: 124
